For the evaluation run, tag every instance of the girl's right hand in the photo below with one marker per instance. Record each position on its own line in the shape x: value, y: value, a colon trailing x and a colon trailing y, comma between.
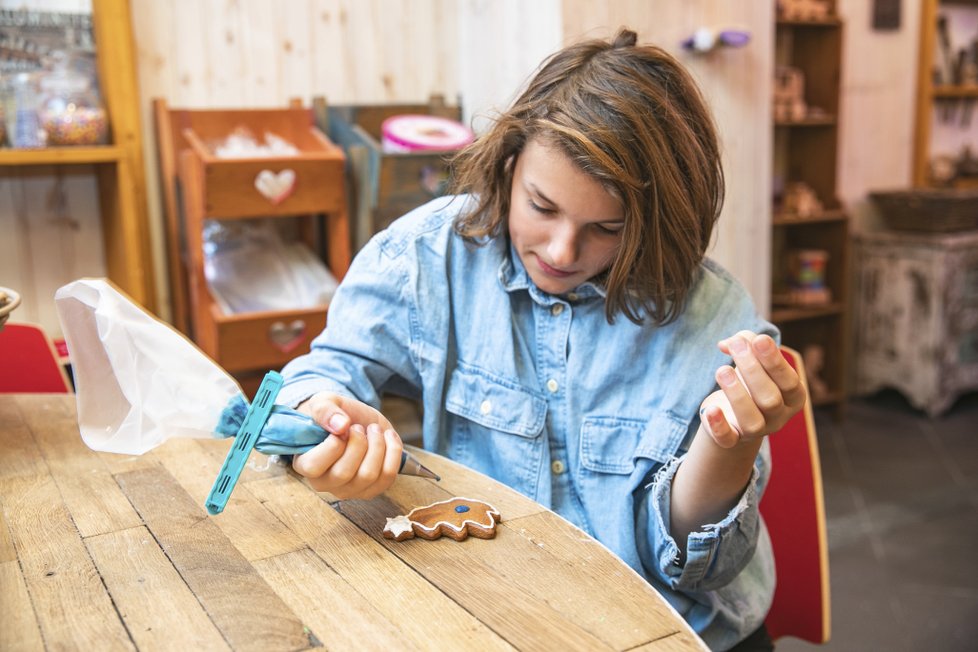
x: 362, y: 457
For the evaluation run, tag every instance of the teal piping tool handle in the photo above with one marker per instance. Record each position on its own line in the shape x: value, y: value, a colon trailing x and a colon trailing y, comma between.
x: 244, y: 442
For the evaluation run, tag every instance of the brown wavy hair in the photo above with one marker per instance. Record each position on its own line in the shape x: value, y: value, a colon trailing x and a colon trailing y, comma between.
x: 631, y: 117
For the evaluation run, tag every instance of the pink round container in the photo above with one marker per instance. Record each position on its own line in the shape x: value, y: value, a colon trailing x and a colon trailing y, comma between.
x: 419, y: 133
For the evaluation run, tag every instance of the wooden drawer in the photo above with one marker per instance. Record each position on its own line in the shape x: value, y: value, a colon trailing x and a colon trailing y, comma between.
x: 311, y: 181
x: 260, y: 340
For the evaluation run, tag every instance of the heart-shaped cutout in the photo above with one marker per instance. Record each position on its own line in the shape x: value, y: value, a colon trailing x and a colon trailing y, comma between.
x: 275, y: 187
x: 286, y: 337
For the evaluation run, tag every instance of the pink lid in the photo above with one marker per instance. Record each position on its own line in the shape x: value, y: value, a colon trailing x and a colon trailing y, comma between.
x: 413, y: 133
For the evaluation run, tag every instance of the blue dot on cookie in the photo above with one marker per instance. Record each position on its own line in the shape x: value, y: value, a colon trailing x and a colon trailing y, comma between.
x: 461, y: 509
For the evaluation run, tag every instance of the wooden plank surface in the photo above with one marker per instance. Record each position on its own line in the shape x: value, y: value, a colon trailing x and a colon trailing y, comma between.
x: 338, y: 615
x: 19, y: 631
x: 72, y: 606
x: 284, y: 568
x: 159, y: 610
x: 469, y: 575
x: 253, y: 530
x: 249, y: 614
x: 435, y: 622
x: 91, y: 494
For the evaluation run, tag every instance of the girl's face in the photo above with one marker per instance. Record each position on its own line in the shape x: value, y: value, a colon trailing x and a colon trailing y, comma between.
x: 563, y: 224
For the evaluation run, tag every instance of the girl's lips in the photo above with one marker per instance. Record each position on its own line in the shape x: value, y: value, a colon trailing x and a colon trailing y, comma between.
x: 551, y: 271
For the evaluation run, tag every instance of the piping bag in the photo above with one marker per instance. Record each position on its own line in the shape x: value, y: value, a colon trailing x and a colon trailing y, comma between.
x: 139, y: 382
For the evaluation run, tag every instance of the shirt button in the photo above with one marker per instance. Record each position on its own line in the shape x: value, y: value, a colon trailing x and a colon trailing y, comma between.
x: 486, y: 407
x: 557, y: 467
x: 572, y: 296
x: 556, y: 309
x: 552, y: 385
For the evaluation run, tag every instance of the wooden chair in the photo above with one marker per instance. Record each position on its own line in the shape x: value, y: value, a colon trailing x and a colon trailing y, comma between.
x: 29, y: 363
x: 794, y: 512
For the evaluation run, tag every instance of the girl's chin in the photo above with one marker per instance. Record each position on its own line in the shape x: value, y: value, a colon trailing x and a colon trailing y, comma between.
x: 552, y: 285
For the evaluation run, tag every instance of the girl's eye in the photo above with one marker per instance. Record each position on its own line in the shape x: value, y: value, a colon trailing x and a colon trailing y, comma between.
x: 614, y: 229
x: 540, y: 209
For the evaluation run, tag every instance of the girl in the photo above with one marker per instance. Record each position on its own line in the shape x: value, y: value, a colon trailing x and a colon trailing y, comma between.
x: 566, y: 335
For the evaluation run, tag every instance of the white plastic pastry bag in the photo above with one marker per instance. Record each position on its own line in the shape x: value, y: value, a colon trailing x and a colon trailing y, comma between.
x: 138, y: 381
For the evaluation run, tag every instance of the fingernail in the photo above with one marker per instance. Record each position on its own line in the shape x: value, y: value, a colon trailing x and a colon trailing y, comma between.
x: 764, y: 344
x: 726, y: 376
x: 738, y: 345
x: 373, y: 429
x: 338, y: 422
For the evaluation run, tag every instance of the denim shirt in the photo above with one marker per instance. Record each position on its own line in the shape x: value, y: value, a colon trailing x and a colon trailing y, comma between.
x: 541, y: 393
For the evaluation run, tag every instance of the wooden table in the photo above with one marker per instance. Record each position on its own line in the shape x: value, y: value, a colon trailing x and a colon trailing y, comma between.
x: 102, y: 551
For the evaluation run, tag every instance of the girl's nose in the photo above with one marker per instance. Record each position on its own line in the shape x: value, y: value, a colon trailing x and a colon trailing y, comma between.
x: 563, y: 247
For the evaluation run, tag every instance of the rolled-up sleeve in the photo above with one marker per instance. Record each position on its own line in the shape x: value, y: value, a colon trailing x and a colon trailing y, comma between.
x: 715, y: 555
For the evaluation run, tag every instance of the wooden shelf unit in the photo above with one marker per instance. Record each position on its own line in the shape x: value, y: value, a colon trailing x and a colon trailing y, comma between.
x: 929, y: 93
x: 200, y: 186
x: 119, y: 166
x: 806, y: 151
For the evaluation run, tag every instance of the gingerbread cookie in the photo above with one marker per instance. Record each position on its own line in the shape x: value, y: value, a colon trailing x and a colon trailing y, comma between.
x: 456, y: 518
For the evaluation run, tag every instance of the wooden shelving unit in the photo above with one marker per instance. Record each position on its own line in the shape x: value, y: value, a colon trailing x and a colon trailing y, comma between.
x: 200, y: 186
x: 806, y: 152
x: 119, y: 166
x: 929, y: 93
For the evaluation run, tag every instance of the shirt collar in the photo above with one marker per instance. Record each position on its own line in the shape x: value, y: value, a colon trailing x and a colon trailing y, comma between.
x: 513, y: 277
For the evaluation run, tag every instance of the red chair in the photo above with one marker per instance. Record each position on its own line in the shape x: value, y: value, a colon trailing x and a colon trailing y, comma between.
x: 29, y: 363
x: 794, y: 512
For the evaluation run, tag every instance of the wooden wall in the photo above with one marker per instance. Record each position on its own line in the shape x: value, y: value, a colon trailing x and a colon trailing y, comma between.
x: 221, y: 53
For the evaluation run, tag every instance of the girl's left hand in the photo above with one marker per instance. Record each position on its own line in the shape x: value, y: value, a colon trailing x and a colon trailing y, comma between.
x: 757, y: 398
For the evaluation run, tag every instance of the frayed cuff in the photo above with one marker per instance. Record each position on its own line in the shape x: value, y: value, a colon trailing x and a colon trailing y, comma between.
x: 715, y: 554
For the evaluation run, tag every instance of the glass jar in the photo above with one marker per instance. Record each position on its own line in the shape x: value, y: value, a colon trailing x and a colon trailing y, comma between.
x: 71, y: 110
x: 20, y: 111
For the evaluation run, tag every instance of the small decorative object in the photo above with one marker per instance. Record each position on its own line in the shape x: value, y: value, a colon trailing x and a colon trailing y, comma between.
x: 789, y: 94
x: 276, y: 186
x: 800, y: 200
x: 803, y: 9
x: 806, y: 277
x: 286, y: 337
x: 813, y: 356
x: 456, y: 518
x: 886, y: 15
x: 943, y: 169
x: 8, y: 301
x: 242, y: 143
x: 423, y: 133
x: 706, y: 39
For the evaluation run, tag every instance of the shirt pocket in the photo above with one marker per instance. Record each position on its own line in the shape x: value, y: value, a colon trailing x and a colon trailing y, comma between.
x: 495, y: 427
x: 612, y: 444
x: 494, y: 402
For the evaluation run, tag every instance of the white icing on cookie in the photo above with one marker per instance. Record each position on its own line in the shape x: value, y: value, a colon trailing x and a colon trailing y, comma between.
x: 398, y: 525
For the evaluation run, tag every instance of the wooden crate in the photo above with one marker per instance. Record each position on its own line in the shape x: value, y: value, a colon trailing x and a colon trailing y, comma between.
x: 204, y: 187
x: 384, y: 186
